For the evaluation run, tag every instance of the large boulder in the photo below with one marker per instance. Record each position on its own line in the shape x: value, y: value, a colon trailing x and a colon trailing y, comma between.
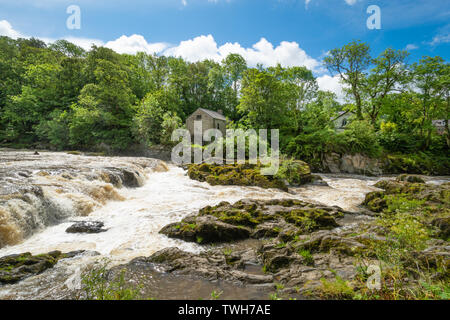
x: 352, y: 163
x: 86, y: 227
x: 254, y: 218
x: 291, y: 172
x: 204, y: 230
x: 14, y: 268
x: 410, y: 178
x: 234, y: 174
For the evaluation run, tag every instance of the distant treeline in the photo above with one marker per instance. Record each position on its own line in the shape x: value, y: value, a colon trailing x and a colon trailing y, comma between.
x: 64, y: 97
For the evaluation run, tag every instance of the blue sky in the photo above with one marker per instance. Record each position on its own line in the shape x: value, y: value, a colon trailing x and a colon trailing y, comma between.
x: 292, y: 32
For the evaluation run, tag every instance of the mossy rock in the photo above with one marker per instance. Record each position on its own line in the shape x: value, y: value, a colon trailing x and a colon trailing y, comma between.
x: 295, y: 172
x: 14, y: 268
x: 443, y: 225
x: 375, y: 201
x: 225, y: 222
x: 410, y: 178
x: 309, y: 220
x: 247, y: 174
x: 205, y: 230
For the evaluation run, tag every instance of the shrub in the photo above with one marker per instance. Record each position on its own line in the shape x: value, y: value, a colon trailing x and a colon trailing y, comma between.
x: 96, y: 286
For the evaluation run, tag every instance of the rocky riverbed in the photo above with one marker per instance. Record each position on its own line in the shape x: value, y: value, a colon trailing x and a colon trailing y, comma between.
x: 175, y: 237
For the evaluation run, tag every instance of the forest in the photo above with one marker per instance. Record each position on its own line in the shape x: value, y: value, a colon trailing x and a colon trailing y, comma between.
x: 60, y: 97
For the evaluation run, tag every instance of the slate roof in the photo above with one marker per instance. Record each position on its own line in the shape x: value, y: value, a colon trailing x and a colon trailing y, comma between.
x: 340, y: 114
x: 214, y: 114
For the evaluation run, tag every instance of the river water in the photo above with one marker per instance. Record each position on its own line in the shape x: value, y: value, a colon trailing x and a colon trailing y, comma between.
x: 134, y: 216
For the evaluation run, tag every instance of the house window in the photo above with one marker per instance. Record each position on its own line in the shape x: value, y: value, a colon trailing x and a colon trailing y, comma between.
x: 198, y: 117
x: 344, y: 122
x: 218, y: 126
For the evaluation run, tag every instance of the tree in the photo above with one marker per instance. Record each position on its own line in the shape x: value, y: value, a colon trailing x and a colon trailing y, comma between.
x: 388, y: 74
x: 264, y: 100
x: 153, y: 117
x: 351, y: 62
x: 431, y: 82
x: 301, y: 88
x: 234, y: 66
x: 67, y: 48
x: 39, y: 97
x: 104, y: 110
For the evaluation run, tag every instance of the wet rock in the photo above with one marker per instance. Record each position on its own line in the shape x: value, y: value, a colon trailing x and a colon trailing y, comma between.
x: 375, y: 201
x: 295, y: 172
x: 318, y: 181
x: 255, y: 218
x: 410, y: 178
x: 132, y: 179
x: 205, y: 230
x: 14, y: 268
x: 277, y: 262
x: 213, y: 264
x: 86, y: 227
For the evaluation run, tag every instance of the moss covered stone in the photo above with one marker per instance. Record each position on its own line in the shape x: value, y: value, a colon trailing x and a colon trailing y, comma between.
x: 247, y: 174
x: 14, y: 268
x: 254, y: 218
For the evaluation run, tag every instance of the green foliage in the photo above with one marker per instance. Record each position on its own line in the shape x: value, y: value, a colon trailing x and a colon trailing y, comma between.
x: 293, y: 171
x: 306, y: 254
x: 359, y: 137
x: 97, y: 286
x: 63, y: 97
x: 215, y: 295
x: 154, y: 119
x: 336, y: 289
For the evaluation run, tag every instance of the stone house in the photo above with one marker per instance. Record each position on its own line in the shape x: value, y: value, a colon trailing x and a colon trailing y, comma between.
x: 440, y: 126
x: 342, y: 120
x: 210, y: 120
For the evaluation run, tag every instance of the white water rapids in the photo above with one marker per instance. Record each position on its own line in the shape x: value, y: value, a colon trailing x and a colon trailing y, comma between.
x: 167, y: 197
x: 133, y: 224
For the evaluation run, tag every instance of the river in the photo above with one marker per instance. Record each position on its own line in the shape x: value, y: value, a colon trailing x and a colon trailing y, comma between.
x: 133, y: 216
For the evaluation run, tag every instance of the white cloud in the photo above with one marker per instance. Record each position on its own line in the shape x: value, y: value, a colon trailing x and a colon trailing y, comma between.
x: 203, y: 47
x: 84, y: 43
x: 440, y: 38
x: 288, y: 54
x: 333, y: 84
x: 133, y: 44
x: 199, y: 48
x: 349, y: 2
x: 411, y: 47
x: 7, y: 30
x: 184, y: 2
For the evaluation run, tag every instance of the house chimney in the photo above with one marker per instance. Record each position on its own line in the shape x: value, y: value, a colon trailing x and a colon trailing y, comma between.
x: 220, y: 111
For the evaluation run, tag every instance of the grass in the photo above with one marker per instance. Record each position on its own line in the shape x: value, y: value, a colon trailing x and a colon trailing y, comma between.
x: 215, y: 295
x: 308, y: 257
x: 337, y: 289
x: 97, y: 286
